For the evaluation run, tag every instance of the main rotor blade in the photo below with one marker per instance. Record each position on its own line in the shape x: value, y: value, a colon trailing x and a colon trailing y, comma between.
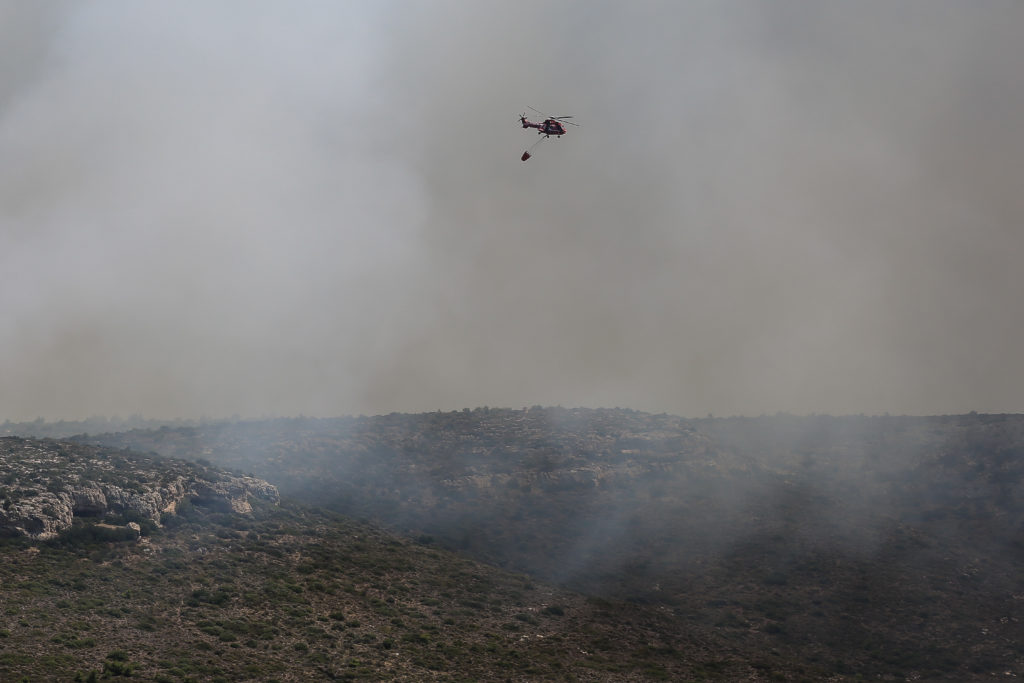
x: 555, y: 118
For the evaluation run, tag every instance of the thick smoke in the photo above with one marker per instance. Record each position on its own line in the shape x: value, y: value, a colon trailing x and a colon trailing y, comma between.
x: 320, y: 209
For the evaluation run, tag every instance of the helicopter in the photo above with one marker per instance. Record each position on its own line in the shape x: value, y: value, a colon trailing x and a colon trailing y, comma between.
x: 551, y: 125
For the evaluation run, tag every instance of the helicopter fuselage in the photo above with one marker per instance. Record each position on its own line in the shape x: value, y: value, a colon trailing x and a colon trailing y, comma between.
x: 547, y: 127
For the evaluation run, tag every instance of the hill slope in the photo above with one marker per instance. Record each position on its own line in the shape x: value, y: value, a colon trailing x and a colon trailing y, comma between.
x: 289, y: 593
x: 883, y: 546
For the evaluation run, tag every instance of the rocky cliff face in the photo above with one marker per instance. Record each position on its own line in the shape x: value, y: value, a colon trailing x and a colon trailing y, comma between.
x: 45, y: 484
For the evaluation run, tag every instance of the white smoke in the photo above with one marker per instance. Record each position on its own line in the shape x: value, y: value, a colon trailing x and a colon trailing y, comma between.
x: 318, y: 208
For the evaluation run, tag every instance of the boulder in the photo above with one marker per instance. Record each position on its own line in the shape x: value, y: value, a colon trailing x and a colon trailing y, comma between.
x: 88, y: 501
x: 40, y: 517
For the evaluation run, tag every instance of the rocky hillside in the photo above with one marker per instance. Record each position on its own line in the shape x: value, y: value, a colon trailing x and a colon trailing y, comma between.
x: 47, y: 484
x: 291, y: 593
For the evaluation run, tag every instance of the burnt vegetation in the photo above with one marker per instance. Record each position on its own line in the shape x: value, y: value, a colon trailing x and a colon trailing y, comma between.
x: 554, y: 544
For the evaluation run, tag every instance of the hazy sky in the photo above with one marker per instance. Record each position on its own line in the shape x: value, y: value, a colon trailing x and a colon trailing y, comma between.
x: 275, y: 208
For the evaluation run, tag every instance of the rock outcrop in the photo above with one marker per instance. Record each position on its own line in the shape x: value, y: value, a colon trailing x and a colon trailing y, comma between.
x: 45, y: 484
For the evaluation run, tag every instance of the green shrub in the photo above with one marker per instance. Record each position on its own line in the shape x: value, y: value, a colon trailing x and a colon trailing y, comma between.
x: 117, y: 664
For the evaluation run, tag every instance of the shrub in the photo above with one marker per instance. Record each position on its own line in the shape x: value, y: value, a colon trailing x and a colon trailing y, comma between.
x: 117, y: 664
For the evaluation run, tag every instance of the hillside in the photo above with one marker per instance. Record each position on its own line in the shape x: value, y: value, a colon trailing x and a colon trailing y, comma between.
x: 811, y: 547
x: 283, y: 592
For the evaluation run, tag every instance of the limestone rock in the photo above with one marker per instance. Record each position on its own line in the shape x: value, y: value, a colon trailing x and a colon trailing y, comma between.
x: 88, y: 501
x: 46, y: 484
x: 41, y: 516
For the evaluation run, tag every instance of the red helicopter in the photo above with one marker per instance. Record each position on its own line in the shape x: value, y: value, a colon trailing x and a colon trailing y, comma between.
x: 552, y: 125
